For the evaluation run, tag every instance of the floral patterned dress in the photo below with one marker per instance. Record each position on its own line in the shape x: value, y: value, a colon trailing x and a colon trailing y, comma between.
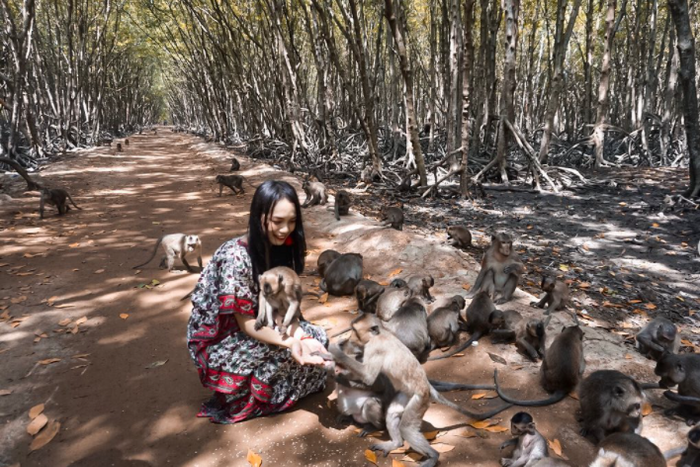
x: 250, y: 378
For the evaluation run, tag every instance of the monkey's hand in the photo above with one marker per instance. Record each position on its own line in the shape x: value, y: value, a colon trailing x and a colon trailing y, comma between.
x: 506, y: 462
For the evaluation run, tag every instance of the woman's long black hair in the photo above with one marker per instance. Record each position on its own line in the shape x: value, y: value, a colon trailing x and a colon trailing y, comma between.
x: 264, y: 255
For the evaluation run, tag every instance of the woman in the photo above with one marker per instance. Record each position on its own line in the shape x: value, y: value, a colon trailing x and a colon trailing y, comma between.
x: 254, y: 373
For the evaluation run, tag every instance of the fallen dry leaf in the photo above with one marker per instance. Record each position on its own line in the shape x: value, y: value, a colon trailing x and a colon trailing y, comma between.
x: 37, y: 424
x: 124, y: 315
x: 35, y: 411
x: 99, y: 271
x: 5, y: 392
x: 431, y: 435
x: 497, y: 358
x: 156, y: 364
x: 478, y: 396
x: 395, y: 463
x: 395, y: 272
x: 64, y: 322
x: 74, y: 245
x: 19, y: 299
x: 49, y: 361
x: 646, y: 409
x: 650, y: 306
x: 442, y: 447
x: 412, y: 457
x: 253, y: 459
x: 51, y: 300
x: 496, y: 429
x: 466, y: 286
x: 371, y: 456
x: 323, y: 298
x: 481, y: 424
x: 555, y: 446
x: 45, y: 436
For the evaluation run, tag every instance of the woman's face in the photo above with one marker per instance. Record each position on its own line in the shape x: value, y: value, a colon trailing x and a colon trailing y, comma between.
x: 281, y: 222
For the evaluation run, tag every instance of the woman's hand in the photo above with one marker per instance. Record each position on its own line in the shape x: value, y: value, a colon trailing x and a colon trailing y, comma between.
x: 309, y: 352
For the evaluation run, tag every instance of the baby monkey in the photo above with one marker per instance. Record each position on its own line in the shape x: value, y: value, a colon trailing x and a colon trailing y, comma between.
x: 556, y: 295
x: 177, y: 245
x: 56, y: 197
x: 119, y: 147
x: 280, y: 289
x: 461, y: 236
x: 342, y: 204
x: 235, y: 165
x: 392, y: 216
x: 315, y: 193
x: 530, y: 445
x: 657, y: 337
x: 126, y: 142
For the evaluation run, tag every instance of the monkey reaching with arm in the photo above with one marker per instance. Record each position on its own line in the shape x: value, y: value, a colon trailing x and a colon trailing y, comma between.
x: 501, y: 269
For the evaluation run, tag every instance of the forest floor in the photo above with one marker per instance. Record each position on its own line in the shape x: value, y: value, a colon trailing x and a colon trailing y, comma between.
x: 103, y: 347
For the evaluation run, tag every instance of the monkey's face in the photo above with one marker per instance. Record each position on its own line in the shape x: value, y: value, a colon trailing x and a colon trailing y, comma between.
x: 671, y: 370
x: 519, y: 429
x: 364, y: 329
x: 667, y: 333
x: 548, y: 284
x: 535, y: 328
x: 694, y: 436
x: 270, y: 284
x: 191, y: 242
x: 627, y: 399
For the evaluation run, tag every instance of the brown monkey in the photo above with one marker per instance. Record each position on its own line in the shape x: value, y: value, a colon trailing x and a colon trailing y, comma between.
x: 530, y: 445
x: 556, y: 295
x: 384, y: 353
x: 628, y: 450
x: 119, y: 147
x: 611, y: 402
x: 234, y: 182
x: 684, y: 371
x: 528, y: 335
x: 391, y: 300
x: 177, y: 245
x: 280, y: 291
x: 342, y: 275
x: 562, y: 367
x: 479, y: 316
x: 235, y: 165
x: 690, y: 456
x: 155, y: 131
x: 324, y: 260
x: 501, y: 269
x: 460, y: 235
x: 444, y: 323
x: 392, y: 216
x: 56, y: 197
x: 657, y: 337
x: 410, y: 325
x: 367, y: 293
x: 420, y: 284
x: 342, y: 204
x: 126, y: 142
x: 315, y: 193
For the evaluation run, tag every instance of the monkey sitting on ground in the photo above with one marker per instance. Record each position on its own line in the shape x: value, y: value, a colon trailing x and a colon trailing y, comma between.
x: 367, y: 293
x: 391, y: 300
x: 410, y: 325
x: 384, y: 353
x: 342, y: 204
x: 235, y: 165
x: 342, y: 275
x: 460, y: 235
x: 556, y: 295
x: 119, y: 147
x: 657, y: 337
x: 528, y: 335
x: 628, y: 450
x: 444, y: 323
x: 392, y: 216
x: 530, y: 445
x: 315, y: 193
x: 419, y: 284
x: 126, y: 142
x: 501, y: 269
x: 562, y: 367
x: 177, y: 245
x: 234, y: 182
x: 280, y: 291
x: 324, y: 260
x: 479, y: 316
x: 56, y: 197
x: 684, y: 371
x: 611, y: 402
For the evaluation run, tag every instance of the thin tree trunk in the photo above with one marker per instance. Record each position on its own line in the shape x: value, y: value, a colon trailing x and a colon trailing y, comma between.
x: 466, y: 94
x: 512, y: 10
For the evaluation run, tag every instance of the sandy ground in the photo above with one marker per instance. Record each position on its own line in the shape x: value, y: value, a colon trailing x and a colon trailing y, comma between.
x: 68, y: 285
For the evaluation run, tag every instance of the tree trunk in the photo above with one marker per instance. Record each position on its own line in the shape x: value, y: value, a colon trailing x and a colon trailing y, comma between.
x: 512, y: 9
x: 686, y: 74
x: 466, y: 96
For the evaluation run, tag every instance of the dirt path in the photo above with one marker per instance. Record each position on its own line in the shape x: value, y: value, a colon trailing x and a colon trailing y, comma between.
x: 114, y: 411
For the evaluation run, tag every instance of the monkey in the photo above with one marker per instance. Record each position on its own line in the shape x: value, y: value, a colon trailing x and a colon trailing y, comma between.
x: 235, y: 165
x: 384, y: 353
x: 177, y: 244
x: 657, y: 337
x: 628, y: 450
x: 530, y: 445
x: 444, y: 323
x: 234, y: 182
x: 56, y: 197
x: 528, y: 335
x: 611, y: 402
x: 392, y: 216
x: 556, y: 295
x: 684, y: 371
x: 410, y: 325
x: 155, y: 131
x: 126, y: 142
x: 690, y: 455
x: 562, y: 367
x: 398, y: 284
x: 501, y: 269
x: 479, y: 315
x: 119, y: 147
x: 315, y: 193
x: 342, y: 275
x: 342, y: 204
x: 107, y: 142
x: 324, y: 260
x: 461, y: 236
x: 280, y: 290
x: 420, y: 284
x: 367, y: 293
x: 390, y: 301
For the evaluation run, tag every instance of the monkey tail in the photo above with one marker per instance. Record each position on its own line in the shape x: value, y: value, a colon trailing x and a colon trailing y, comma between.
x: 685, y: 400
x: 155, y: 250
x: 444, y: 386
x: 437, y: 397
x: 73, y: 202
x: 473, y: 338
x: 553, y: 399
